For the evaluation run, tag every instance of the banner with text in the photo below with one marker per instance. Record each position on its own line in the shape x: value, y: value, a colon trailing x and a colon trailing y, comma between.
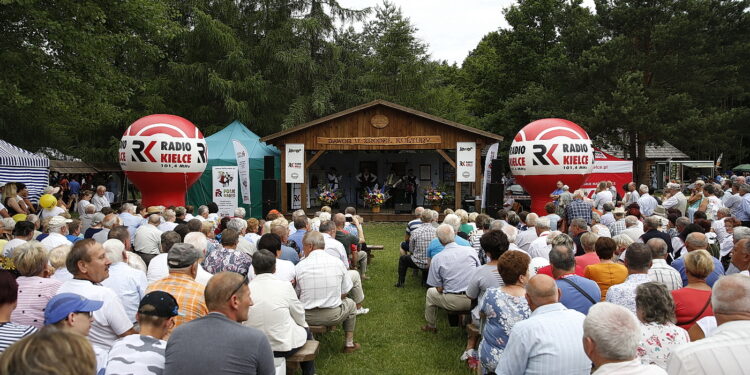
x: 295, y: 163
x: 296, y: 196
x: 491, y: 154
x: 243, y: 166
x: 466, y: 154
x: 225, y: 189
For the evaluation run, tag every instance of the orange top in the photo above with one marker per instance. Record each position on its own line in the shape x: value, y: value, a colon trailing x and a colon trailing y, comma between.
x: 606, y: 275
x: 187, y: 292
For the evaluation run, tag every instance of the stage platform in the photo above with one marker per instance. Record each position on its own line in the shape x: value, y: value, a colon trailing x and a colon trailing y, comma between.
x: 385, y: 215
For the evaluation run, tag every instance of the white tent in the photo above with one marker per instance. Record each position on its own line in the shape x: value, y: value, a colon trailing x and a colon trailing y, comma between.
x: 19, y: 165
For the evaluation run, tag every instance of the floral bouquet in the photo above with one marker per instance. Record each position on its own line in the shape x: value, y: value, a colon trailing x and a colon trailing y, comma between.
x: 434, y: 195
x: 328, y: 196
x: 376, y: 197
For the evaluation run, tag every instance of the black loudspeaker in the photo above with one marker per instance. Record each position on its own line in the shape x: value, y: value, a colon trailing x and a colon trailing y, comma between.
x: 498, y: 170
x: 268, y: 167
x: 494, y: 198
x: 270, y: 201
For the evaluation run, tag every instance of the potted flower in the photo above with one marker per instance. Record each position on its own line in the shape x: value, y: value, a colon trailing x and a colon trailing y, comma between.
x: 375, y: 198
x: 328, y: 196
x: 435, y: 197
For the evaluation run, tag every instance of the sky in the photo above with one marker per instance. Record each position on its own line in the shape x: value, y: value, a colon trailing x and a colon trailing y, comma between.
x: 451, y: 28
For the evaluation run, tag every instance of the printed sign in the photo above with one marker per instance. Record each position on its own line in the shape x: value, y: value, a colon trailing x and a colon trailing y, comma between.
x: 381, y: 141
x: 559, y: 151
x: 466, y: 154
x: 295, y: 163
x: 491, y: 155
x: 224, y: 191
x: 243, y: 165
x: 172, y: 152
x: 296, y: 196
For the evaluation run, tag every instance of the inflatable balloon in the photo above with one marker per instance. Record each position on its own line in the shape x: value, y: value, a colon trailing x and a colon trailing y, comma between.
x: 163, y: 155
x: 546, y: 151
x: 47, y: 201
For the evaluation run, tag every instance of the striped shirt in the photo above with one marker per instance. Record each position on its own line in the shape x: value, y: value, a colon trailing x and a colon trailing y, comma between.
x: 12, y: 332
x: 663, y: 273
x: 33, y: 294
x: 187, y: 292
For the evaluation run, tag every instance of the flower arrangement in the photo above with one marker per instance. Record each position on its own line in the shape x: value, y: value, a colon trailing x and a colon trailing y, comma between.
x: 328, y: 196
x: 434, y: 195
x: 376, y: 197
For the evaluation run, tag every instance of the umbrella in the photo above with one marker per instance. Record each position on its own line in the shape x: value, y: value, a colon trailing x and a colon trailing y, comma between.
x: 742, y: 168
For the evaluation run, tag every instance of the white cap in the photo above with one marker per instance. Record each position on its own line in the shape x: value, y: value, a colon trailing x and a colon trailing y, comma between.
x: 58, y: 221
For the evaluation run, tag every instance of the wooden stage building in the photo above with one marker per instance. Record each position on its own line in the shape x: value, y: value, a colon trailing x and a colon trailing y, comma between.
x: 382, y: 137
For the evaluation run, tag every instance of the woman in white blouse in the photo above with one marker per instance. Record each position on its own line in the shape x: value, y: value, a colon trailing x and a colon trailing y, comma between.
x: 659, y: 334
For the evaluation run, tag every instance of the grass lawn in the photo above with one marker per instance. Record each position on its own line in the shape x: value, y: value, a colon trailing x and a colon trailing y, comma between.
x: 391, y: 340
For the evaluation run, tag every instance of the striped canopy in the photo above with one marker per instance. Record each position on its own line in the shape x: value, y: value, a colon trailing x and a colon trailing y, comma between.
x: 19, y: 165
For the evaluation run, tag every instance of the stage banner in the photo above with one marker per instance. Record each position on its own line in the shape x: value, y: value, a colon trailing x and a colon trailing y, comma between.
x: 296, y: 196
x: 225, y: 189
x: 243, y: 166
x: 295, y: 163
x: 466, y: 154
x: 491, y: 154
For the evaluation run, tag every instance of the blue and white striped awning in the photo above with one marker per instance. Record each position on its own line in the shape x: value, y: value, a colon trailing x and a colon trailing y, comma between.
x: 19, y: 165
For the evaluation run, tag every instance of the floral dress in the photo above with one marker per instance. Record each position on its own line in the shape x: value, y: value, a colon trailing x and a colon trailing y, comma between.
x: 503, y: 311
x: 657, y: 342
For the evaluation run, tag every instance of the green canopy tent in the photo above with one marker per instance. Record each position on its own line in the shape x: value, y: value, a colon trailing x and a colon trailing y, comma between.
x: 742, y: 168
x: 221, y: 153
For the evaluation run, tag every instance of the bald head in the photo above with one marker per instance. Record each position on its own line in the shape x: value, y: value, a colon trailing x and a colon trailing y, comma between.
x: 339, y: 219
x: 696, y: 241
x: 220, y: 289
x: 541, y: 290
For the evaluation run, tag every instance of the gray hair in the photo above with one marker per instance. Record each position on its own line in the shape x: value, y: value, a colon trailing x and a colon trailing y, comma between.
x: 643, y: 189
x: 562, y: 239
x: 595, y: 218
x: 740, y: 233
x: 237, y: 224
x: 542, y: 223
x: 696, y: 240
x: 498, y: 225
x: 127, y: 207
x: 562, y: 257
x: 435, y: 215
x: 202, y: 210
x: 681, y: 223
x: 198, y: 240
x: 658, y: 247
x: 154, y: 219
x: 531, y: 219
x: 653, y: 222
x: 453, y: 220
x: 724, y: 211
x: 607, y: 207
x: 315, y: 239
x: 169, y: 214
x: 239, y: 212
x: 614, y: 329
x: 510, y: 231
x: 114, y: 249
x: 630, y: 221
x: 180, y: 211
x: 418, y: 211
x: 298, y: 213
x: 588, y: 240
x: 445, y: 233
x: 324, y: 216
x: 579, y: 223
x: 90, y: 209
x: 731, y: 294
x: 654, y: 302
x: 745, y: 188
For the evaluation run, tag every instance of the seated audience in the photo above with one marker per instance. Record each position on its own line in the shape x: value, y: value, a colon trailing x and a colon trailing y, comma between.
x: 652, y: 227
x: 158, y: 267
x: 283, y: 269
x: 276, y: 310
x: 606, y: 273
x: 71, y: 312
x: 503, y: 307
x: 539, y: 247
x: 588, y: 242
x: 660, y: 271
x: 449, y: 276
x: 49, y: 351
x: 610, y: 338
x: 578, y: 293
x: 698, y: 241
x: 223, y: 342
x: 228, y: 258
x: 727, y: 350
x: 693, y: 302
x: 35, y: 287
x: 144, y: 353
x: 134, y: 260
x: 147, y: 238
x: 10, y: 332
x: 23, y: 232
x: 128, y: 283
x: 58, y: 229
x: 322, y: 284
x: 638, y: 262
x: 528, y: 234
x: 436, y: 246
x: 200, y: 242
x: 334, y: 247
x: 419, y: 240
x: 351, y: 244
x: 550, y: 340
x: 287, y: 253
x: 659, y: 334
x: 56, y: 259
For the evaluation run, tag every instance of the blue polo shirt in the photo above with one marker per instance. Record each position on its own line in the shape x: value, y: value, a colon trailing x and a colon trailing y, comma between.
x: 436, y: 247
x: 573, y: 299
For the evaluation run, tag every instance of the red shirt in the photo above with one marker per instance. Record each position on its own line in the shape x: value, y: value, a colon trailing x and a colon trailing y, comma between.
x: 547, y: 270
x: 587, y: 259
x: 688, y: 302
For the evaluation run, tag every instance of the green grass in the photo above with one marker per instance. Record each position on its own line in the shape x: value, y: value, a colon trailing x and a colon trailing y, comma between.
x: 391, y: 340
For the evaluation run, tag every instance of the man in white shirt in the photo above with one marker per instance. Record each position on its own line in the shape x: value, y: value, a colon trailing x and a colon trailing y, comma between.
x: 727, y: 350
x: 632, y: 229
x: 276, y: 310
x: 88, y: 263
x: 200, y: 242
x: 148, y: 238
x: 675, y: 198
x: 539, y: 247
x: 169, y: 221
x: 129, y: 283
x: 158, y: 268
x: 58, y: 228
x: 110, y: 221
x: 526, y: 237
x: 646, y: 202
x: 611, y: 335
x: 99, y: 200
x: 130, y: 219
x: 322, y: 280
x: 333, y: 247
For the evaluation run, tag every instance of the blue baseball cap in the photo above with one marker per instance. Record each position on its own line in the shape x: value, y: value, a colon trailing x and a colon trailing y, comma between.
x: 63, y: 304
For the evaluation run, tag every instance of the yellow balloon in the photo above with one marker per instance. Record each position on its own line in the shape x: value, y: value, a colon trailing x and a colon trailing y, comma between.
x: 47, y: 201
x: 19, y: 217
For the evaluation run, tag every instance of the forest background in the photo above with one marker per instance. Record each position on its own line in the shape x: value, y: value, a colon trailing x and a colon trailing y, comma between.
x: 75, y: 73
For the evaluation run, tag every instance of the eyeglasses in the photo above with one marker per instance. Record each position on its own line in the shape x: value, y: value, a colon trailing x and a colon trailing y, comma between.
x: 87, y: 313
x: 237, y: 289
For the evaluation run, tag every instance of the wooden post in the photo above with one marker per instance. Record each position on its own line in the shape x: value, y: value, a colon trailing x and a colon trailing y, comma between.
x: 284, y: 207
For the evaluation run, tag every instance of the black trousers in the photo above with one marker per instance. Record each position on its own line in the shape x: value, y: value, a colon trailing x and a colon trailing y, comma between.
x: 404, y: 263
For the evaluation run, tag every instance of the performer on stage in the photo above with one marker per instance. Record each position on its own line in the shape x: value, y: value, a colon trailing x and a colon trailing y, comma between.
x: 333, y: 179
x: 412, y: 183
x: 366, y: 179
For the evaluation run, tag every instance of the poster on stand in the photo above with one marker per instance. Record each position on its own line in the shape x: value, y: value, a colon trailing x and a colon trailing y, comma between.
x: 295, y: 163
x: 466, y: 153
x: 296, y: 196
x: 224, y: 181
x: 491, y: 155
x: 243, y: 167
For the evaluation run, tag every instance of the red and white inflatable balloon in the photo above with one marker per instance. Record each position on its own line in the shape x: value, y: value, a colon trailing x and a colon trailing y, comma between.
x: 163, y: 155
x: 550, y: 150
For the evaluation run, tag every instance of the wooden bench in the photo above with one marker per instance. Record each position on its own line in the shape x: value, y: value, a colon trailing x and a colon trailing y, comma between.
x: 308, y: 352
x: 322, y: 329
x: 375, y: 247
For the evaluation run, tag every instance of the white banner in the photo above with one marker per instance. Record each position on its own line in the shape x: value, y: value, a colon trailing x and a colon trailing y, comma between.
x: 295, y: 163
x: 296, y: 196
x: 243, y: 165
x: 491, y: 154
x: 466, y: 154
x: 224, y: 181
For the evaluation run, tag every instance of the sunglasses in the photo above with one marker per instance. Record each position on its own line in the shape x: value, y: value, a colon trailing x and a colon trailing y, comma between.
x: 237, y: 289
